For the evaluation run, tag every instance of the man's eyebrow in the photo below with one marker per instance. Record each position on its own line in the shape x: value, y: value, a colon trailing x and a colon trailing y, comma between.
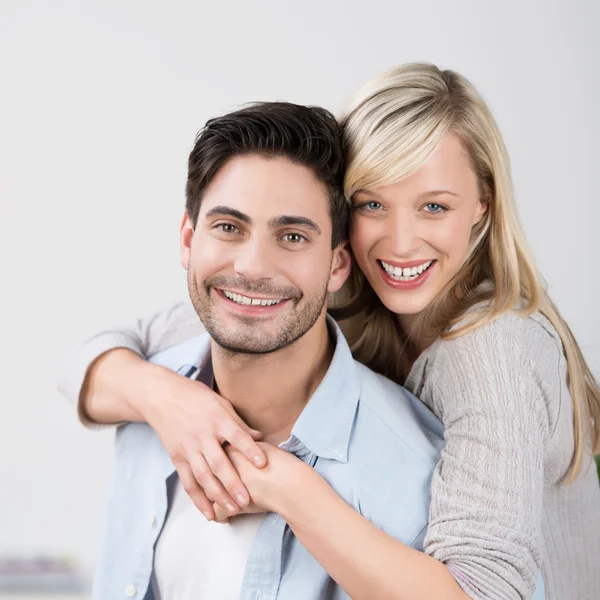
x: 226, y: 211
x: 284, y: 220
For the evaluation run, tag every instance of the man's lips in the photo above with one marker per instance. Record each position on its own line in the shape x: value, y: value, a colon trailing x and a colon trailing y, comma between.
x: 271, y: 304
x: 254, y: 300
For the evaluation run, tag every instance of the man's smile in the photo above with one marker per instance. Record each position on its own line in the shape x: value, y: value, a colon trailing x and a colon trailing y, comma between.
x: 251, y: 305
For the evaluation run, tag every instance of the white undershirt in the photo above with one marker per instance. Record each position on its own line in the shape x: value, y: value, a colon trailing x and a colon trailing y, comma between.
x: 196, y: 559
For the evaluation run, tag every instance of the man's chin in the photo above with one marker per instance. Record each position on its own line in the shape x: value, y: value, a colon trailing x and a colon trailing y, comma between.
x: 253, y: 340
x: 247, y: 347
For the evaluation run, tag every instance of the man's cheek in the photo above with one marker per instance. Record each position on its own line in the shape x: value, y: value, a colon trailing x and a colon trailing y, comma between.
x: 210, y: 259
x: 303, y: 273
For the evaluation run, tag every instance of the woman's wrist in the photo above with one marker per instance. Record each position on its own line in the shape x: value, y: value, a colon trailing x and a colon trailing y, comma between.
x: 145, y: 385
x: 296, y: 491
x: 106, y: 393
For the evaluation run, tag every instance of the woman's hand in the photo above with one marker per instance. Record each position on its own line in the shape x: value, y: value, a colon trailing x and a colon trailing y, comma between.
x: 269, y: 487
x: 193, y: 423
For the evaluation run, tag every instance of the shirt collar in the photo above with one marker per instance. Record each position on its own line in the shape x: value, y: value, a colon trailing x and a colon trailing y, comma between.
x: 325, y: 424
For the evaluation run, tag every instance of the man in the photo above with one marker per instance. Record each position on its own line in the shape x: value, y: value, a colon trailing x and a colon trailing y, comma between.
x: 263, y: 241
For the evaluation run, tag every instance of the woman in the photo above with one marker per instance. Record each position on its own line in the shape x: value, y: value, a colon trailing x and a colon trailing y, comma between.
x: 446, y: 301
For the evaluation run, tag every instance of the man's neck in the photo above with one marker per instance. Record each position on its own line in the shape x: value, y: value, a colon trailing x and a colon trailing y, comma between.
x: 269, y: 391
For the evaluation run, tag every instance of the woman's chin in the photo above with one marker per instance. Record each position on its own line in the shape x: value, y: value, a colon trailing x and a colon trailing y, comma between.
x: 406, y: 303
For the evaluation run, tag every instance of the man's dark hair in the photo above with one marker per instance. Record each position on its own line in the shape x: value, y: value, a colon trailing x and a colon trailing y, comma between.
x: 307, y: 135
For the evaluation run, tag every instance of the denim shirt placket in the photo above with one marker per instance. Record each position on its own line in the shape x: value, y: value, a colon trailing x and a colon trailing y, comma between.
x: 262, y: 576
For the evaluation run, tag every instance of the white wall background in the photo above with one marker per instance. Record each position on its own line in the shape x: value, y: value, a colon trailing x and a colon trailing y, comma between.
x: 99, y: 105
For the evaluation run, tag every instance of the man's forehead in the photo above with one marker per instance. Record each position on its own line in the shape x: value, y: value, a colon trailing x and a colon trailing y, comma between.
x: 266, y: 188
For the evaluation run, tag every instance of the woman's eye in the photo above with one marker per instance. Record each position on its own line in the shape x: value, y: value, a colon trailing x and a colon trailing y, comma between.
x: 294, y: 238
x: 434, y: 208
x: 371, y: 205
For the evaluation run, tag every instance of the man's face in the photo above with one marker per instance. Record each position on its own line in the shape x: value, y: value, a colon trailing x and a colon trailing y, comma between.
x: 259, y: 261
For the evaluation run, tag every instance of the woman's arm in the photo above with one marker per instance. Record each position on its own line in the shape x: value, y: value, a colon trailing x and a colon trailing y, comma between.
x: 484, y: 539
x: 498, y: 395
x: 112, y: 382
x: 107, y: 376
x: 366, y: 562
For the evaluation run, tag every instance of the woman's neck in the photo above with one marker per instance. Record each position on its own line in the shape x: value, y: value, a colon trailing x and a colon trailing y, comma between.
x: 419, y: 336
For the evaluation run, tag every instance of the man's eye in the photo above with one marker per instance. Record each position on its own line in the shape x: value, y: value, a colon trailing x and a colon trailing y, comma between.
x: 294, y: 238
x: 227, y: 228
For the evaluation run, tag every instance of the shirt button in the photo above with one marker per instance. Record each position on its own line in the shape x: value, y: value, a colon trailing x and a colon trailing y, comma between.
x: 130, y: 591
x: 152, y: 519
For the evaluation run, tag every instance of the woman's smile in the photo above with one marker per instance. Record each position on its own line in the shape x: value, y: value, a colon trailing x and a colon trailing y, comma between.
x: 407, y: 277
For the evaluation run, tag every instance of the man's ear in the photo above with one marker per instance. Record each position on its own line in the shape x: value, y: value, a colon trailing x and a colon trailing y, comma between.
x: 186, y: 234
x: 340, y: 267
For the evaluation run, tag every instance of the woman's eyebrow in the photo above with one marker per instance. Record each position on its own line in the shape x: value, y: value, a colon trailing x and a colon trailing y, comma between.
x: 434, y: 193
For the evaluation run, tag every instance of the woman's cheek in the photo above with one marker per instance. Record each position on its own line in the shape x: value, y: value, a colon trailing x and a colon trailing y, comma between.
x: 362, y: 238
x: 452, y: 239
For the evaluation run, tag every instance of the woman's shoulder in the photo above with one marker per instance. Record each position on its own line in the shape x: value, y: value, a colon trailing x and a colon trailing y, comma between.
x: 509, y: 331
x: 507, y: 334
x: 510, y: 342
x: 511, y: 355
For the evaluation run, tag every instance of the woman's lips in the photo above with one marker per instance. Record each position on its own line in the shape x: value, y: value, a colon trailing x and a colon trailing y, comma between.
x: 411, y: 284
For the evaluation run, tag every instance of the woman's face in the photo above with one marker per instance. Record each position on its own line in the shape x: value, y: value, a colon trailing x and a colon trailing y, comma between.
x: 410, y: 238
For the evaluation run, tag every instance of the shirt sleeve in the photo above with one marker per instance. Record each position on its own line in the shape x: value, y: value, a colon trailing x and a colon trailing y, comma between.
x: 146, y: 337
x: 487, y: 489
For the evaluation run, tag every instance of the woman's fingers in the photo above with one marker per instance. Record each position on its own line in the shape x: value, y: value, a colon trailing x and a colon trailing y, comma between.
x: 221, y: 516
x: 254, y: 433
x: 243, y: 441
x: 194, y: 491
x: 194, y: 432
x: 212, y: 487
x: 220, y: 464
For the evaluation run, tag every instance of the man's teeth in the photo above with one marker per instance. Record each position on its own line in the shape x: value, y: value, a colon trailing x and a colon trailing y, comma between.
x: 239, y: 299
x: 408, y: 274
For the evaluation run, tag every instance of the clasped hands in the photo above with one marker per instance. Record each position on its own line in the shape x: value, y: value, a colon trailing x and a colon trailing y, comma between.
x: 268, y: 485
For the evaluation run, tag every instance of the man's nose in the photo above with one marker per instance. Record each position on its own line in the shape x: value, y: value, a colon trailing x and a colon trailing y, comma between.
x: 255, y: 260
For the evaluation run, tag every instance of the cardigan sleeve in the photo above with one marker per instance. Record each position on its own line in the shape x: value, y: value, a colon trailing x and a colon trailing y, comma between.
x: 487, y: 489
x: 146, y: 337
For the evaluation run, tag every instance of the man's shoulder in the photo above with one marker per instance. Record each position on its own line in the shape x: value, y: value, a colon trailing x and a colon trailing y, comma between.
x: 190, y: 352
x: 398, y: 417
x: 394, y: 447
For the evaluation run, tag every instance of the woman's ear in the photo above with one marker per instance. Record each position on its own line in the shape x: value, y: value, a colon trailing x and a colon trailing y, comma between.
x: 481, y: 210
x: 186, y: 234
x: 340, y: 267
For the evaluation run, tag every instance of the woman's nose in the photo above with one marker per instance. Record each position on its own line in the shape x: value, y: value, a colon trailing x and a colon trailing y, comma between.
x: 404, y: 235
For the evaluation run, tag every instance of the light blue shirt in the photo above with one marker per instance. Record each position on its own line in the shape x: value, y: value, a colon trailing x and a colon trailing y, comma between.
x: 373, y: 441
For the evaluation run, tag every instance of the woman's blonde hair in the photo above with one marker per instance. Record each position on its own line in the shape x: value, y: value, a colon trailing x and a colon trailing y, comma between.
x: 391, y: 127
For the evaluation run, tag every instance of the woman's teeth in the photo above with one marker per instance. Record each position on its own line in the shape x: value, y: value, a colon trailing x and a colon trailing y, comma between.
x: 239, y: 299
x: 408, y: 274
